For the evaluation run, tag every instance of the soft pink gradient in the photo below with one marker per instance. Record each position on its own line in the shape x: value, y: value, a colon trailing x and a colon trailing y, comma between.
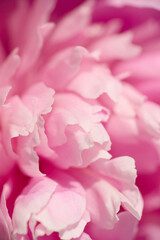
x: 79, y: 105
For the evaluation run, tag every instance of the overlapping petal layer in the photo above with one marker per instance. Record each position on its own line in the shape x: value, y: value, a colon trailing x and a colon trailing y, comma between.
x: 79, y: 99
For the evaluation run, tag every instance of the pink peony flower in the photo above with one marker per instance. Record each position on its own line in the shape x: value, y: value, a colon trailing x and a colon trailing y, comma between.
x: 80, y: 95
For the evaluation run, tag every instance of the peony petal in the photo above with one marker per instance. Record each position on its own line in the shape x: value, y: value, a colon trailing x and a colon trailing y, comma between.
x: 122, y: 174
x: 41, y: 96
x: 119, y: 232
x: 18, y: 118
x: 67, y: 25
x: 116, y: 47
x: 93, y: 82
x: 5, y: 220
x: 76, y: 230
x: 137, y: 3
x: 61, y: 209
x: 64, y: 209
x: 68, y: 128
x: 33, y: 17
x: 28, y: 159
x: 105, y: 194
x: 6, y: 162
x: 149, y: 119
x: 84, y: 236
x: 35, y: 196
x: 12, y: 63
x: 62, y: 67
x: 3, y: 94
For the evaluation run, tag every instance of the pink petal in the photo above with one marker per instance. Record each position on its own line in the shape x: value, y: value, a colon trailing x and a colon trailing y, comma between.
x: 5, y: 161
x: 137, y: 3
x: 75, y: 231
x: 41, y: 96
x: 93, y: 82
x: 62, y: 67
x: 35, y: 196
x: 5, y: 220
x: 105, y: 193
x: 118, y: 46
x: 149, y: 119
x: 84, y: 236
x: 119, y: 232
x: 67, y: 126
x: 127, y: 140
x: 33, y: 18
x: 70, y: 22
x: 12, y: 63
x: 61, y: 209
x: 3, y: 94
